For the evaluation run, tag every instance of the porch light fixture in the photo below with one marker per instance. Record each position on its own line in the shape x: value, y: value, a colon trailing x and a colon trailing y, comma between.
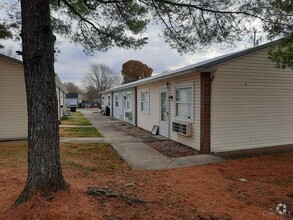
x: 168, y: 85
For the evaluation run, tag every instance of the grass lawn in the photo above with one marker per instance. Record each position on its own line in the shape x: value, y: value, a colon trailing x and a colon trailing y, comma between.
x: 91, y: 157
x: 13, y: 154
x: 77, y: 113
x: 79, y: 132
x: 84, y: 156
x: 77, y: 118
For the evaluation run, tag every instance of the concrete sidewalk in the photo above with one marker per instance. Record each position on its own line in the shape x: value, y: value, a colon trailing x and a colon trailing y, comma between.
x: 86, y: 139
x: 138, y: 154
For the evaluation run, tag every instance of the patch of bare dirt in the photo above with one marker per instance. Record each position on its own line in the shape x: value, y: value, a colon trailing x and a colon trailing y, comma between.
x: 168, y: 148
x: 172, y: 149
x: 131, y: 129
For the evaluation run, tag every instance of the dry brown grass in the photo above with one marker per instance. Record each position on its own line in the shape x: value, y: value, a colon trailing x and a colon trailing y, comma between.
x: 79, y: 132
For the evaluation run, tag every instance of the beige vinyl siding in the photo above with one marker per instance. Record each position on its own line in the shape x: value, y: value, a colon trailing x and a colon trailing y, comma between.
x: 147, y: 121
x: 13, y: 110
x: 252, y: 104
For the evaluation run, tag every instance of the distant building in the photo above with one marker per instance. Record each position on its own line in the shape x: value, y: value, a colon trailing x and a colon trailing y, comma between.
x: 73, y: 100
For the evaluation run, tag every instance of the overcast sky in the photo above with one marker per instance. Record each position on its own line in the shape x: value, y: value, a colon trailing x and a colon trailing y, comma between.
x: 72, y: 63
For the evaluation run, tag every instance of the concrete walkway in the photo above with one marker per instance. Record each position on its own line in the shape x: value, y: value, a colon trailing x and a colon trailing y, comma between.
x: 86, y: 139
x: 138, y: 154
x: 76, y: 126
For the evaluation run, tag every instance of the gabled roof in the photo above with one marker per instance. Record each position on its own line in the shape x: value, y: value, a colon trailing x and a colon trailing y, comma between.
x: 10, y: 59
x: 60, y: 84
x: 200, y: 66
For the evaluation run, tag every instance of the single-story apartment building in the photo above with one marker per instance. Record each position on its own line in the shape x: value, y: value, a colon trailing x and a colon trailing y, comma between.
x: 233, y: 102
x: 122, y: 104
x: 61, y: 96
x: 13, y: 110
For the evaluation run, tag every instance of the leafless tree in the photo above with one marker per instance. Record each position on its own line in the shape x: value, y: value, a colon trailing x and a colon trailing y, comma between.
x: 99, y: 78
x: 72, y: 87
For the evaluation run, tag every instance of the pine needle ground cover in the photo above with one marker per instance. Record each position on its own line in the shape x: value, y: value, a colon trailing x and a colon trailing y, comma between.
x: 200, y: 192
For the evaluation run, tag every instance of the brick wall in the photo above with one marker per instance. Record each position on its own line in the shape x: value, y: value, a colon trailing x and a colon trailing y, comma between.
x: 205, y: 113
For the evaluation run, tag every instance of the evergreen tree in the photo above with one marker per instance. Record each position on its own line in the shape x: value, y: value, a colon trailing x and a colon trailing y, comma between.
x: 187, y: 25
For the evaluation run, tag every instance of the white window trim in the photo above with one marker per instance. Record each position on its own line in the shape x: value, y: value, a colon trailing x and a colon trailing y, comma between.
x: 109, y: 100
x: 148, y: 101
x: 116, y: 95
x: 103, y: 100
x: 182, y: 86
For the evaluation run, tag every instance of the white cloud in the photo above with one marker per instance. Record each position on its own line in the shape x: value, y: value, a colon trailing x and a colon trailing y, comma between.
x: 72, y: 63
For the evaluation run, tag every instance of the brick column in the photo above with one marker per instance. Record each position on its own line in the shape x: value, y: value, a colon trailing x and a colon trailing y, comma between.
x: 205, y: 113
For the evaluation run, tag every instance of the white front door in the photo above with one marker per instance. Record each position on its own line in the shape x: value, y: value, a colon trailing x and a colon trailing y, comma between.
x: 164, y: 113
x: 123, y: 105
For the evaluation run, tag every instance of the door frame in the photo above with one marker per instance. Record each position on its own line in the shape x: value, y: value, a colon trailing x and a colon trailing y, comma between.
x: 164, y: 90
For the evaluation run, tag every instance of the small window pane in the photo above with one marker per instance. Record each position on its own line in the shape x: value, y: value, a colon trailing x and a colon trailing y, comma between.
x: 177, y: 95
x: 116, y: 101
x: 183, y: 102
x: 145, y: 101
x: 129, y: 101
x: 144, y: 106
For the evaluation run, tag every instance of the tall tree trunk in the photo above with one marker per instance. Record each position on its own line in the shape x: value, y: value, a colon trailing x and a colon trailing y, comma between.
x: 44, y: 168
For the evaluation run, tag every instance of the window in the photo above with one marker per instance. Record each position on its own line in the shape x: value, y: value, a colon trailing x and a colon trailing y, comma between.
x: 103, y: 100
x: 116, y: 100
x: 145, y: 103
x: 109, y: 100
x: 183, y: 102
x: 129, y: 101
x: 61, y: 98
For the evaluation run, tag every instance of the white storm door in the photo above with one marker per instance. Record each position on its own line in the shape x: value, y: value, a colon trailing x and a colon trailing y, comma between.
x: 123, y: 97
x: 164, y: 113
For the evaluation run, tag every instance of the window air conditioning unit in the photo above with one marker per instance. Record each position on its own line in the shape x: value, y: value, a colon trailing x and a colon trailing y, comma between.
x: 128, y: 115
x: 182, y: 128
